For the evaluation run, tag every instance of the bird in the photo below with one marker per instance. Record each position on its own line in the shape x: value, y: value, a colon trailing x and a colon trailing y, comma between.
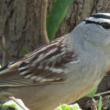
x: 63, y: 71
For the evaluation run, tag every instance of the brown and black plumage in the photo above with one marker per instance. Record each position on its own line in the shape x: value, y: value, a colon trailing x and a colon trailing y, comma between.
x: 63, y: 71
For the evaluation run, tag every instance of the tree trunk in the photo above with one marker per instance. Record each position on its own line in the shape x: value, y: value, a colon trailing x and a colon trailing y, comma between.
x: 20, y: 23
x: 20, y: 26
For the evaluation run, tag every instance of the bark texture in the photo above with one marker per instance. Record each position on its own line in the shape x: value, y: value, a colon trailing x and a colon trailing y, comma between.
x: 20, y: 26
x: 20, y: 23
x: 80, y: 10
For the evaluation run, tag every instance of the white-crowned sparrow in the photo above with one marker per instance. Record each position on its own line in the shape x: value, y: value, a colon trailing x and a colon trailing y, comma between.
x: 63, y: 71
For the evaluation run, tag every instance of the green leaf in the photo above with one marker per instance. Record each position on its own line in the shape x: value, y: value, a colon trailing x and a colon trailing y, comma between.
x: 100, y: 103
x: 57, y: 15
x: 24, y: 51
x: 92, y: 92
x: 68, y: 107
x: 12, y: 105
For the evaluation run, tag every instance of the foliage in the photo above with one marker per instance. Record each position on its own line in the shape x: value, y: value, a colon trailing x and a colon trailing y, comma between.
x: 100, y: 103
x: 68, y: 107
x: 24, y: 51
x: 57, y: 15
x: 13, y: 105
x: 92, y: 92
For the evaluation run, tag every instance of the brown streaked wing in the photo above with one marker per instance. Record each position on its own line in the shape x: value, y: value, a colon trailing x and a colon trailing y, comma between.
x: 48, y: 64
x: 45, y: 65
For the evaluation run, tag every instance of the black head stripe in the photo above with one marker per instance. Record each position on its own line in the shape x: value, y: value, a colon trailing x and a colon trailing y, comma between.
x: 102, y: 19
x: 104, y: 16
x: 103, y: 24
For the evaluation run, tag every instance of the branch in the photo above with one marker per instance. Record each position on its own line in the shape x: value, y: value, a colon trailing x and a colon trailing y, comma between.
x: 4, y: 49
x: 19, y: 104
x: 44, y: 35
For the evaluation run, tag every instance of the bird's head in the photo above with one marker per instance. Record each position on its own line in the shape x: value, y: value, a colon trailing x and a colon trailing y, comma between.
x: 95, y: 29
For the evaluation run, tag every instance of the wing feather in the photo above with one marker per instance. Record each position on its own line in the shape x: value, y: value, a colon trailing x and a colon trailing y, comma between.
x: 41, y: 66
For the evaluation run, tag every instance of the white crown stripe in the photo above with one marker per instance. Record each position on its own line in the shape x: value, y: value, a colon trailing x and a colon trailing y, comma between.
x: 107, y: 14
x: 99, y: 20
